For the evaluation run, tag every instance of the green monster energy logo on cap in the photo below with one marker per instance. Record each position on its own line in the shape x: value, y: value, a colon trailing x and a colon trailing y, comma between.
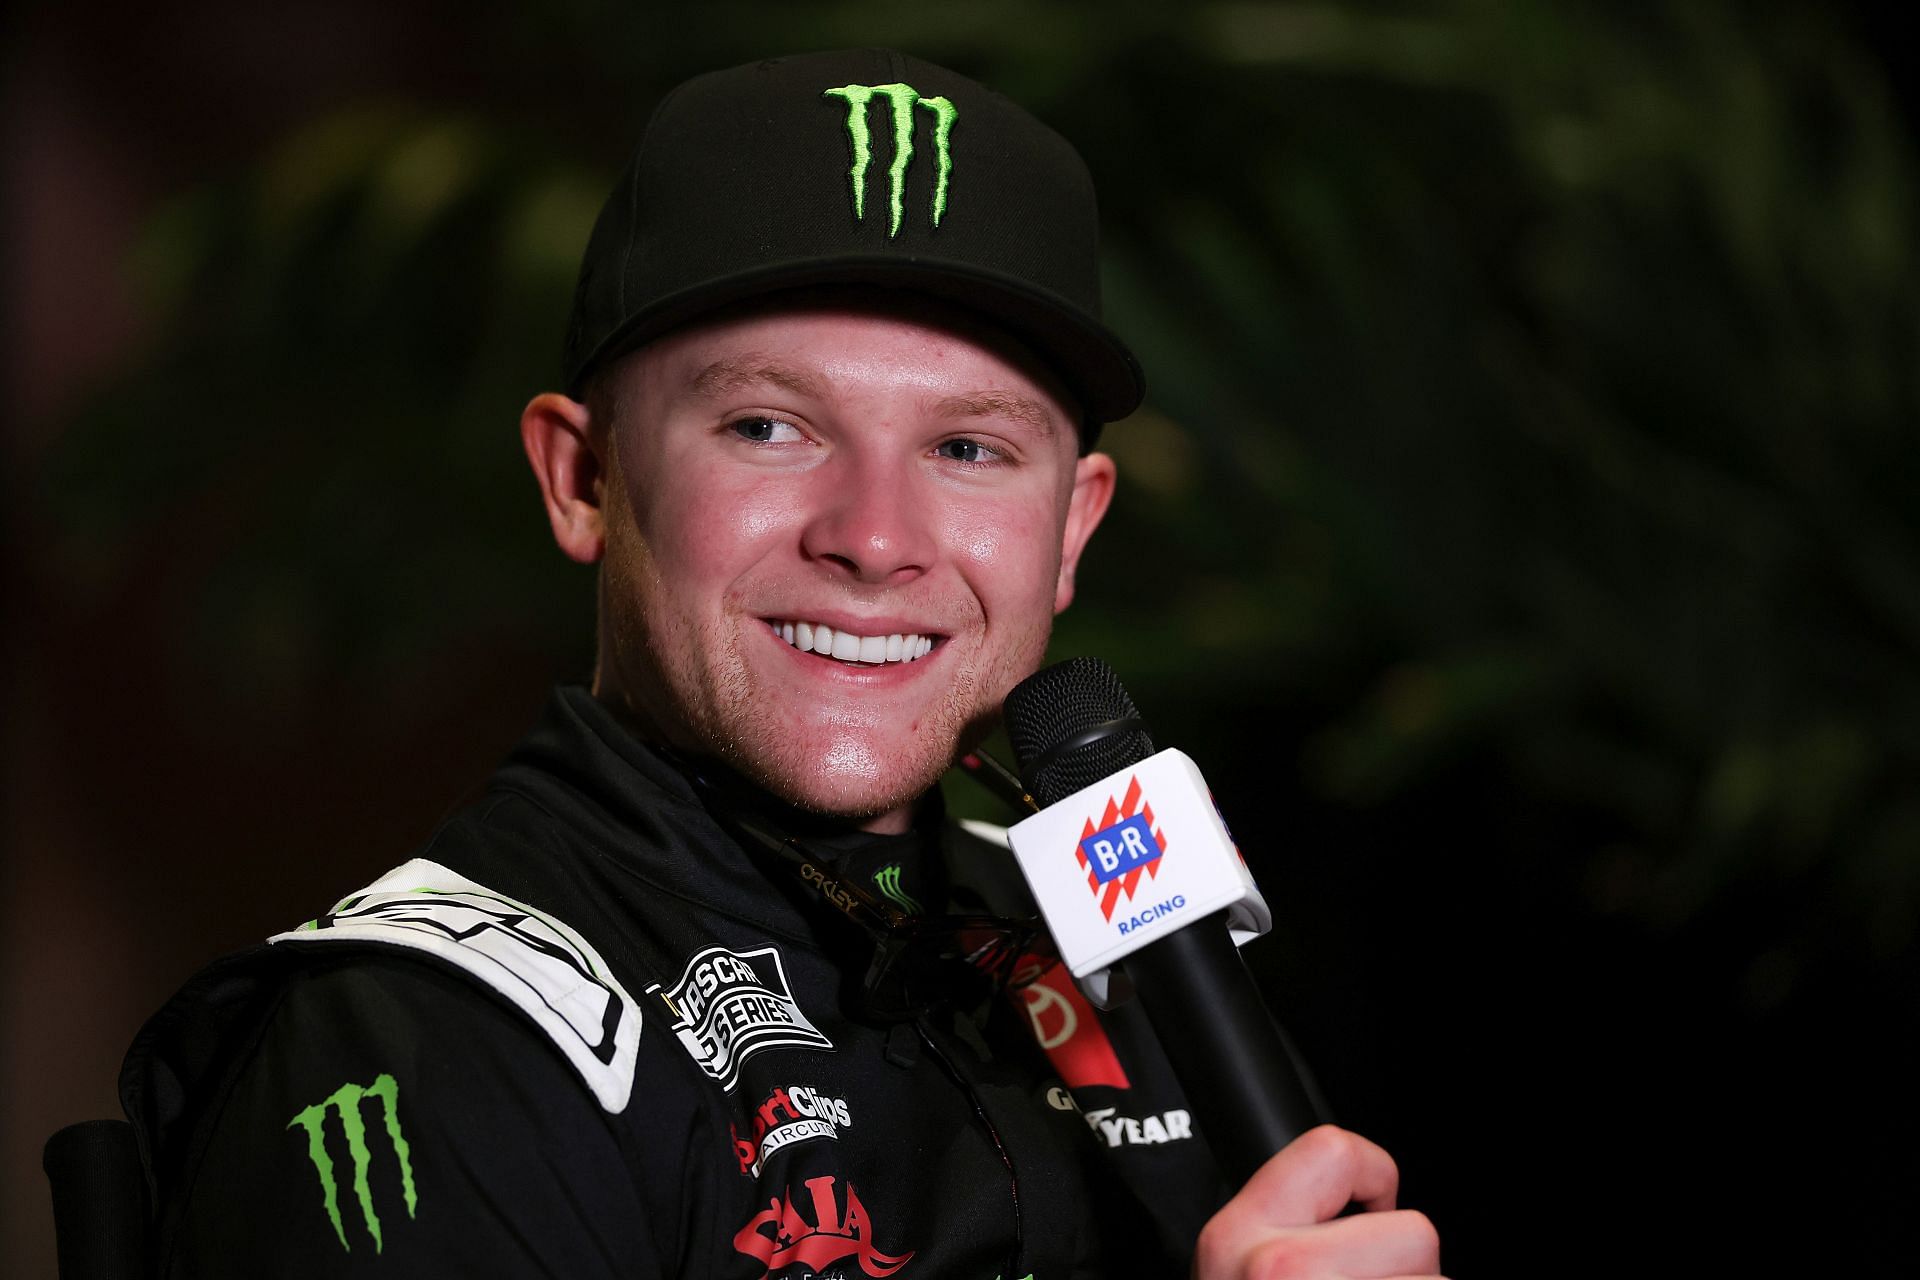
x: 346, y: 1101
x: 888, y: 878
x: 903, y: 98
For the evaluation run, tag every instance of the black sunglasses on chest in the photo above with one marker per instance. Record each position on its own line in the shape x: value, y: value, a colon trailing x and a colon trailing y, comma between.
x: 919, y: 961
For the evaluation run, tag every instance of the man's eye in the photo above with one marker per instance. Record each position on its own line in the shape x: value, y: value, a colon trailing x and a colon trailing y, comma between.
x: 764, y: 430
x: 966, y: 451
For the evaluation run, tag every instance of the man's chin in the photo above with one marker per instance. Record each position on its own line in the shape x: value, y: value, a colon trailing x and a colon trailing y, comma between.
x: 852, y: 781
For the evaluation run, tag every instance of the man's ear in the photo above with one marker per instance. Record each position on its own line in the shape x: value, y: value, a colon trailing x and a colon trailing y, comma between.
x: 1092, y: 491
x: 564, y: 449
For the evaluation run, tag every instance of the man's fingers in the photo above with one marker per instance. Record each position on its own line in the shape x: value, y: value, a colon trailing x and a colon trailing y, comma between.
x: 1286, y: 1221
x: 1399, y: 1242
x: 1317, y: 1176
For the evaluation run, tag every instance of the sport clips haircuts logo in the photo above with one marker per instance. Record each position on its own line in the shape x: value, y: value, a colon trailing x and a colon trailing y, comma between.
x: 785, y: 1234
x: 730, y: 1005
x: 345, y: 1103
x: 788, y: 1115
x: 1121, y: 848
x: 902, y: 99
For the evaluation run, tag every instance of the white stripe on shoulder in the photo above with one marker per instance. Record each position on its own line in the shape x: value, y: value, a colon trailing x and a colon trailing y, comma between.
x: 548, y: 971
x: 986, y: 831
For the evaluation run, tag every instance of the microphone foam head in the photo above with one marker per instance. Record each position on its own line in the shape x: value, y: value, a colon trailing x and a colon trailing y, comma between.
x: 1052, y: 707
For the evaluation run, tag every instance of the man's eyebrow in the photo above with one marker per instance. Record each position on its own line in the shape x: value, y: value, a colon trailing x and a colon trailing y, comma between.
x: 732, y: 373
x: 998, y: 404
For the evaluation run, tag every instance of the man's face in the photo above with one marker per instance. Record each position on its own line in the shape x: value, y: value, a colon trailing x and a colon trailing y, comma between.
x: 908, y: 485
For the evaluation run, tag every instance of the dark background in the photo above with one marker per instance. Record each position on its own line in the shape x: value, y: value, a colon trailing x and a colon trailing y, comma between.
x: 1521, y: 533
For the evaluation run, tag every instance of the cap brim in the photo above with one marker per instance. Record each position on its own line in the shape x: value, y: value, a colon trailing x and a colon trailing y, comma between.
x: 1095, y: 365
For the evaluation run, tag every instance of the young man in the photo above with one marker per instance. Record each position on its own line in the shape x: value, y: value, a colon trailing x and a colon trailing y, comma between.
x: 681, y: 995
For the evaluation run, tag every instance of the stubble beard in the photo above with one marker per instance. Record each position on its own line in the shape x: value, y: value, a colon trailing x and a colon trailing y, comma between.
x: 857, y: 769
x: 846, y: 774
x: 704, y: 698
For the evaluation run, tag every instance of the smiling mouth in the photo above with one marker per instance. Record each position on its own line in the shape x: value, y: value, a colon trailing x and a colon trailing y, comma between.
x: 868, y: 651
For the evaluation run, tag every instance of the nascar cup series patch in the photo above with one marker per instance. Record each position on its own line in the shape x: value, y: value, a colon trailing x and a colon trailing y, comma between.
x: 1124, y: 862
x: 730, y: 1005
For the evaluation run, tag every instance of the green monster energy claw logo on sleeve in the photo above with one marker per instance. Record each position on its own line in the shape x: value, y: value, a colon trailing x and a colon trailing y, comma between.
x: 902, y: 98
x: 346, y: 1101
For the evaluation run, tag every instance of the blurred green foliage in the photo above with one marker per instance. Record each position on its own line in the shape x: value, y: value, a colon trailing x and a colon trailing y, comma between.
x: 1533, y: 390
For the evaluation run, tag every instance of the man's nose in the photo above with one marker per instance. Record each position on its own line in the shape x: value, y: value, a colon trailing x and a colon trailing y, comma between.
x: 870, y: 522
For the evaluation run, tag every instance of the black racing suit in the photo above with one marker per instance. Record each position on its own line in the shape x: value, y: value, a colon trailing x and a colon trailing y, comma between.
x: 586, y: 1033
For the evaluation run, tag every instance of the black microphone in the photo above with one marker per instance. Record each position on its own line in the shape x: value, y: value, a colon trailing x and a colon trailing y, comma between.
x: 1148, y: 845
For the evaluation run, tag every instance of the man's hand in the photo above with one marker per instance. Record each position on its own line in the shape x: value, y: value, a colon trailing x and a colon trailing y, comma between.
x: 1285, y: 1222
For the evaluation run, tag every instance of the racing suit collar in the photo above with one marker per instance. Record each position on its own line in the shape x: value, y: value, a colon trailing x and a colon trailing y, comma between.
x: 604, y: 756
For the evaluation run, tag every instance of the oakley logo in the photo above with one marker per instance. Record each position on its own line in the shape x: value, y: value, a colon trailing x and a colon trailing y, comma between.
x: 345, y: 1101
x: 901, y: 99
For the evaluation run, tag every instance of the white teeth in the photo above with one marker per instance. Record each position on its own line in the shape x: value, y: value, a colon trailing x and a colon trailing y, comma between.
x: 844, y: 645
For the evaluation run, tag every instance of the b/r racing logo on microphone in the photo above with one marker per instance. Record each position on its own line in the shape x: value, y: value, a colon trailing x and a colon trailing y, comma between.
x: 1121, y: 848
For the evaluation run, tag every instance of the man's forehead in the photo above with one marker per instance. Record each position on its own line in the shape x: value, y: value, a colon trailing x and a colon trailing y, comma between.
x: 730, y: 375
x: 817, y: 347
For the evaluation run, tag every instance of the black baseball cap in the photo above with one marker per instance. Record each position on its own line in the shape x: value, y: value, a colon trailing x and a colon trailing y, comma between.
x: 863, y: 167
